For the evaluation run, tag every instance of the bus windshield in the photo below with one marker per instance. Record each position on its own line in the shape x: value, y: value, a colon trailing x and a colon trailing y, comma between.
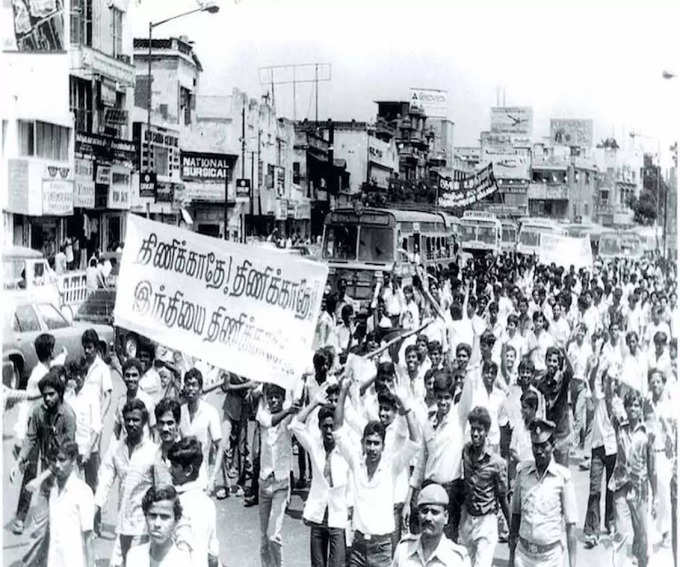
x: 609, y: 246
x: 376, y: 244
x: 467, y: 232
x: 529, y: 237
x: 509, y: 234
x: 340, y: 242
x: 486, y: 234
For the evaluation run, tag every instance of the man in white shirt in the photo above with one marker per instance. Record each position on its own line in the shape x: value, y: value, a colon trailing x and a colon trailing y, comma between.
x: 373, y: 482
x: 197, y: 528
x: 132, y: 371
x: 202, y: 420
x: 634, y: 367
x: 326, y: 507
x: 559, y: 327
x: 276, y: 460
x: 98, y: 385
x: 539, y: 342
x: 71, y: 513
x: 579, y: 353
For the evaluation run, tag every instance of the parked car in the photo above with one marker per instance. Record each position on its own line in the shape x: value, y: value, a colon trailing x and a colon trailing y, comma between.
x: 98, y: 309
x: 24, y: 318
x: 27, y: 269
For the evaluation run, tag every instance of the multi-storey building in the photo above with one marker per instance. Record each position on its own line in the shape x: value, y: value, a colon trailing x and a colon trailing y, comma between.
x: 620, y: 179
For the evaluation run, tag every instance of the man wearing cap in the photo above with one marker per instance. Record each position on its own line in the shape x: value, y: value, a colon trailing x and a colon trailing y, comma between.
x: 431, y: 548
x: 543, y: 500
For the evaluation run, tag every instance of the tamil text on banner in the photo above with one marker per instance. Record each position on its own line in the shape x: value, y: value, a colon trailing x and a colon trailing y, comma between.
x: 469, y: 190
x: 248, y: 310
x: 566, y: 251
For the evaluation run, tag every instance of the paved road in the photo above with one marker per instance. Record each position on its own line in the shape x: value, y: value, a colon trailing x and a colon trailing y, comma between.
x: 239, y: 527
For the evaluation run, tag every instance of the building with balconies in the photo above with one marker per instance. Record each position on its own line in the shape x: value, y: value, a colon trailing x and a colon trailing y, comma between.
x: 101, y: 95
x: 548, y: 192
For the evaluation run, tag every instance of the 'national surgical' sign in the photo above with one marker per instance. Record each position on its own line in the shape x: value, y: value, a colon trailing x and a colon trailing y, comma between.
x: 248, y: 310
x: 200, y: 166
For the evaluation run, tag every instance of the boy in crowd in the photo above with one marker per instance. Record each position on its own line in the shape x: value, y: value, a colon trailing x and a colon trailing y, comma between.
x: 132, y: 372
x: 197, y: 529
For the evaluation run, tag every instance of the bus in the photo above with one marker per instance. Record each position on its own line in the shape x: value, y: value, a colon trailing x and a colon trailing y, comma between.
x: 624, y: 244
x: 479, y: 232
x: 592, y: 231
x: 508, y: 235
x: 360, y: 244
x: 530, y: 230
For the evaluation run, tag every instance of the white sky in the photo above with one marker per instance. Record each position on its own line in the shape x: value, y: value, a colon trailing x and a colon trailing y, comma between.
x: 600, y: 59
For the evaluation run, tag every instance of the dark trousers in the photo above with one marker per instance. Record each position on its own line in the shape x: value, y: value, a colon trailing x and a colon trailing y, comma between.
x: 91, y: 470
x: 599, y: 462
x: 255, y: 445
x: 30, y: 472
x: 456, y: 492
x: 327, y: 546
x: 376, y: 552
x: 396, y: 534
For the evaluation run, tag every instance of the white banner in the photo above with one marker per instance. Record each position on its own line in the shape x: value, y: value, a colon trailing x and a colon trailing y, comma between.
x: 566, y: 250
x: 241, y: 308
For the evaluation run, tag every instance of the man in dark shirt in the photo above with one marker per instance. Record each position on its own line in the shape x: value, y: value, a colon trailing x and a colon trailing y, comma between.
x: 50, y: 425
x: 554, y: 385
x: 485, y: 479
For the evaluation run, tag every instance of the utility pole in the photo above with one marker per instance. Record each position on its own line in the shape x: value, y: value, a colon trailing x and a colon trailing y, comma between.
x: 296, y: 74
x: 243, y: 168
x: 331, y: 152
x: 316, y: 93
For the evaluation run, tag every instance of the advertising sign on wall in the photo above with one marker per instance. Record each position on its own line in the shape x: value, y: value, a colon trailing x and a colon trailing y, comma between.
x: 39, y: 26
x: 83, y: 193
x: 57, y: 197
x: 17, y: 182
x: 432, y: 102
x: 570, y: 132
x: 147, y: 184
x: 512, y: 119
x: 202, y: 166
x: 103, y: 176
x: 243, y: 309
x: 119, y: 191
x: 508, y: 165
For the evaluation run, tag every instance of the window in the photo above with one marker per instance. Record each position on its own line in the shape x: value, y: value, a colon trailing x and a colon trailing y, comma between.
x: 26, y: 321
x: 26, y: 137
x: 604, y: 197
x: 585, y: 209
x: 296, y: 172
x: 340, y: 242
x: 160, y: 160
x: 185, y: 104
x: 80, y: 100
x: 52, y: 318
x: 117, y: 31
x: 51, y: 141
x: 587, y: 178
x: 81, y: 22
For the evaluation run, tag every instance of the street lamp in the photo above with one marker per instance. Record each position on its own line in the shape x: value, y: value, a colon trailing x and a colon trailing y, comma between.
x: 211, y: 9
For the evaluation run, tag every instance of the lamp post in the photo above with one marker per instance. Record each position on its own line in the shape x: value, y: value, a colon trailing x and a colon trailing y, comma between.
x: 211, y: 9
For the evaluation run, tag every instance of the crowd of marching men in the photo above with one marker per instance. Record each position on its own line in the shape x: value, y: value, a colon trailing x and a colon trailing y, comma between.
x: 441, y: 421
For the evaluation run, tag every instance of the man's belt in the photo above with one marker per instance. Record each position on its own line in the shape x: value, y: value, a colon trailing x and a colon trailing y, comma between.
x: 374, y: 538
x: 538, y: 548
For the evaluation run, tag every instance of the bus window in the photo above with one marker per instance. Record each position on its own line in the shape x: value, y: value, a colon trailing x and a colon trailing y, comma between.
x: 467, y: 233
x: 528, y: 238
x: 487, y: 234
x: 376, y: 244
x: 341, y: 242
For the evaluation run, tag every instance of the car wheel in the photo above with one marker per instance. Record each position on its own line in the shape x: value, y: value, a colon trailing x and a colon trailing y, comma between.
x: 131, y: 346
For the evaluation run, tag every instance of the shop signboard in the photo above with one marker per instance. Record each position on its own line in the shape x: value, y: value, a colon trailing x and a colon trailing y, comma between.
x: 17, y: 183
x: 163, y: 145
x: 432, y: 102
x: 203, y: 166
x: 119, y: 190
x: 57, y: 197
x: 243, y: 187
x: 303, y: 210
x: 165, y: 192
x: 105, y: 148
x: 103, y: 175
x: 512, y: 119
x: 83, y: 193
x: 147, y: 184
x: 281, y: 209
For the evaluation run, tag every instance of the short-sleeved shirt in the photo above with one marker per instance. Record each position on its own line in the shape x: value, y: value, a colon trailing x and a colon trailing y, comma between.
x: 409, y: 553
x: 71, y: 515
x: 545, y: 502
x: 485, y: 480
x: 205, y: 426
x: 198, y: 525
x: 148, y: 403
x: 98, y: 382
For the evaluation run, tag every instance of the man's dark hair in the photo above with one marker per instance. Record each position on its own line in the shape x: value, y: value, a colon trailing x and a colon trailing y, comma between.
x: 90, y: 336
x: 187, y: 451
x: 387, y: 399
x: 44, y: 347
x: 324, y: 413
x: 480, y: 415
x: 133, y: 363
x: 160, y: 493
x: 443, y: 382
x: 52, y: 380
x: 136, y: 404
x: 374, y: 428
x: 490, y: 366
x: 67, y: 448
x: 270, y: 388
x: 194, y: 373
x: 168, y: 405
